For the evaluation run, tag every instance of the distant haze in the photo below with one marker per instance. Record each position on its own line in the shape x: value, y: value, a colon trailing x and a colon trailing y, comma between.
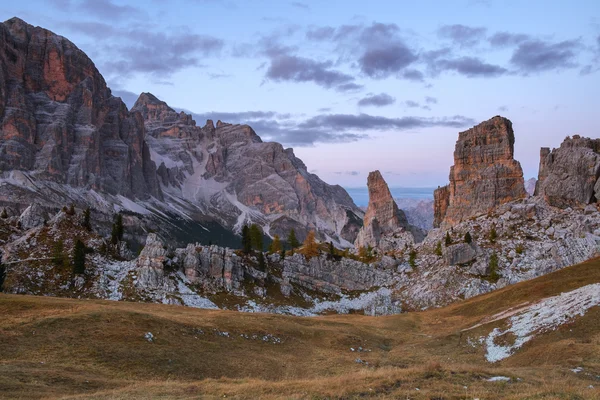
x: 361, y: 195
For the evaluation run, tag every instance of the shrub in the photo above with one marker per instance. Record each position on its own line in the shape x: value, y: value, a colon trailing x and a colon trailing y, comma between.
x: 438, y: 249
x: 520, y: 249
x: 493, y: 274
x: 71, y: 210
x: 493, y: 234
x: 59, y: 258
x: 4, y: 214
x: 412, y: 258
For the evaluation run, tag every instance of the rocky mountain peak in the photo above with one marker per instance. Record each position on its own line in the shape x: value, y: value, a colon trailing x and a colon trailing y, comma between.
x: 383, y: 215
x: 59, y: 121
x: 485, y: 174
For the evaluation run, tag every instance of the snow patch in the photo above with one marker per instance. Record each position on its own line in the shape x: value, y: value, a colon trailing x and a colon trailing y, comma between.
x: 545, y: 316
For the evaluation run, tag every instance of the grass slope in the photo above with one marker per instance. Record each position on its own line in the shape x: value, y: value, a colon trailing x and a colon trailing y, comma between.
x: 64, y: 348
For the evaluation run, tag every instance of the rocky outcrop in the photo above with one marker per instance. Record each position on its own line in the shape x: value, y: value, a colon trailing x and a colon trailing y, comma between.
x: 485, y: 174
x: 151, y: 263
x: 33, y: 216
x: 383, y: 217
x: 325, y: 275
x: 419, y: 212
x: 568, y: 176
x: 229, y: 172
x: 60, y: 122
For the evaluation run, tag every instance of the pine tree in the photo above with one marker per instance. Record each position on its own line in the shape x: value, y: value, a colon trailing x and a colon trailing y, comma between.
x: 256, y: 236
x: 468, y: 238
x: 86, y: 219
x: 282, y: 254
x: 310, y: 248
x: 292, y: 240
x: 246, y: 240
x: 117, y: 230
x: 59, y: 259
x: 4, y: 214
x: 275, y: 245
x: 331, y: 249
x: 448, y: 240
x: 79, y: 257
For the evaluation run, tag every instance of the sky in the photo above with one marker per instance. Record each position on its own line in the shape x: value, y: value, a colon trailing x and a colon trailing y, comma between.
x: 352, y: 86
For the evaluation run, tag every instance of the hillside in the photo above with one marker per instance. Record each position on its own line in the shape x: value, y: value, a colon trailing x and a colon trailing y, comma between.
x: 65, y: 348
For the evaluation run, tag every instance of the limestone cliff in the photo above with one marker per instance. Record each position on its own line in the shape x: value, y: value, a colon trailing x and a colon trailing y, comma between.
x: 485, y: 174
x: 383, y: 217
x: 568, y: 176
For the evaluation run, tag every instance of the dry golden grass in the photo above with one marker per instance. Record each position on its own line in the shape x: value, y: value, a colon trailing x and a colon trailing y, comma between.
x: 64, y: 348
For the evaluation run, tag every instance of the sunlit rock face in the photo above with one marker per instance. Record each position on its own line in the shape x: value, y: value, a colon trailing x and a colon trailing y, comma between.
x: 59, y: 121
x: 485, y: 174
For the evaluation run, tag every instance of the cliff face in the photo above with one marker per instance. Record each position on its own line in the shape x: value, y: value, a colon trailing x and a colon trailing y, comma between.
x: 568, y: 176
x: 383, y: 216
x: 485, y: 174
x: 59, y: 121
x: 228, y: 171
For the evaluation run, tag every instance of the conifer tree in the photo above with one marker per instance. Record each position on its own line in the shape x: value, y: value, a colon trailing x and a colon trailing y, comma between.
x: 448, y: 240
x: 79, y: 257
x: 4, y: 214
x: 331, y: 249
x: 246, y: 240
x: 468, y: 238
x: 292, y: 240
x: 86, y: 219
x: 261, y: 261
x: 256, y: 236
x: 438, y: 249
x: 310, y: 248
x: 117, y: 230
x: 493, y: 234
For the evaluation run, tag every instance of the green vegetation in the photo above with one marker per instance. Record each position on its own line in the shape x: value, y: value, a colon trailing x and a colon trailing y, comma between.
x: 86, y: 219
x: 246, y: 240
x: 59, y: 258
x: 79, y: 251
x: 438, y: 249
x: 117, y: 230
x: 4, y: 214
x: 493, y: 235
x: 493, y: 275
x: 520, y: 248
x: 256, y: 237
x: 292, y: 240
x: 448, y: 240
x: 468, y: 238
x: 412, y: 258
